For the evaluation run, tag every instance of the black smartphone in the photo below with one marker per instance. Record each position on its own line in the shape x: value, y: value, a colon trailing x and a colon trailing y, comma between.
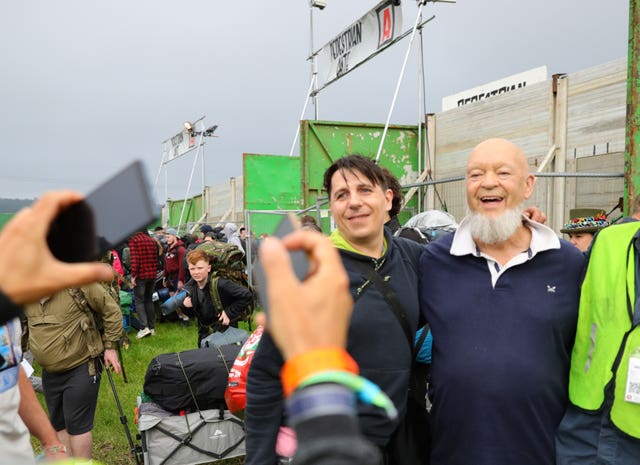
x: 105, y: 218
x: 299, y: 260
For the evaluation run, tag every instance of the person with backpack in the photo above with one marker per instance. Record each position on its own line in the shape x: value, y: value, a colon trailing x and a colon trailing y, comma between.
x: 212, y: 314
x: 73, y: 334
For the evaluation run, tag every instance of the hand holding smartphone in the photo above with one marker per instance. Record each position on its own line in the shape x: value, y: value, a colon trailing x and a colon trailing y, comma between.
x: 105, y: 218
x: 299, y: 260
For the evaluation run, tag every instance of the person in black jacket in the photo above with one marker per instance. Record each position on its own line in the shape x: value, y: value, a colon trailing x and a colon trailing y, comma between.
x: 234, y: 297
x: 323, y: 416
x: 359, y: 199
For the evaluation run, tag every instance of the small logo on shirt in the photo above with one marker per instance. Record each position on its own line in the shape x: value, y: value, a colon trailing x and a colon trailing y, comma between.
x: 551, y: 289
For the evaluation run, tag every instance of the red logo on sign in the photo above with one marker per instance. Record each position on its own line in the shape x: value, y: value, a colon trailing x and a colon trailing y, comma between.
x: 387, y: 30
x: 385, y: 24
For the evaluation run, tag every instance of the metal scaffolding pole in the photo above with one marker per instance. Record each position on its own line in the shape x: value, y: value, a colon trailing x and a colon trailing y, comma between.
x: 632, y: 135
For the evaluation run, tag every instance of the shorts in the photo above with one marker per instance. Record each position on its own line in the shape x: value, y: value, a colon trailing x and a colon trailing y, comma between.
x: 71, y: 398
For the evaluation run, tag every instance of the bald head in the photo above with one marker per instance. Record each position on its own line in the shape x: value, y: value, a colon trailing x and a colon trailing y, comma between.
x: 502, y: 148
x: 498, y: 177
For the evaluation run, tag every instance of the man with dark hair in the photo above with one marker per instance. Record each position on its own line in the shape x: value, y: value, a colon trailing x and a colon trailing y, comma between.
x: 396, y: 203
x: 359, y: 200
x: 205, y: 228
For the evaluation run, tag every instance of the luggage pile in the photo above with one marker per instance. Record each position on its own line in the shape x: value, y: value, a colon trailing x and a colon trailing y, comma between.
x: 187, y: 421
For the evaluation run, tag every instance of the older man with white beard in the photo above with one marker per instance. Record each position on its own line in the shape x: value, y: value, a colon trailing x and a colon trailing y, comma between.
x: 501, y: 295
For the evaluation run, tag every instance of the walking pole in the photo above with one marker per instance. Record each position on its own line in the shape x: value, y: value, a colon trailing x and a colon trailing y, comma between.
x: 133, y: 448
x: 121, y: 360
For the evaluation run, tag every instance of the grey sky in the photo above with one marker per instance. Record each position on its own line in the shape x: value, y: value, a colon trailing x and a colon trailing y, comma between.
x: 88, y: 86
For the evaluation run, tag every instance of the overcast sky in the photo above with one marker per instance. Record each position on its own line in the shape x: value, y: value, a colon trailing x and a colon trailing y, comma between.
x: 88, y: 86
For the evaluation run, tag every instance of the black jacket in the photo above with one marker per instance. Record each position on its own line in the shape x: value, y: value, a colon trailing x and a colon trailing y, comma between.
x: 234, y: 297
x: 376, y: 341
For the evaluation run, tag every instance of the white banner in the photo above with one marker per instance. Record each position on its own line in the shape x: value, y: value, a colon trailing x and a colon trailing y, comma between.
x: 180, y: 144
x: 501, y: 86
x: 375, y: 30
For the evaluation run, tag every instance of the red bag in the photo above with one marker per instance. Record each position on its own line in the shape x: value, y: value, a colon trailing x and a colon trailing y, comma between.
x: 236, y: 393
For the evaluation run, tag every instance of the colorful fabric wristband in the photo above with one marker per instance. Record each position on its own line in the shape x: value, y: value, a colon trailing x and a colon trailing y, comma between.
x: 53, y: 450
x: 318, y: 401
x: 302, y: 366
x: 365, y: 390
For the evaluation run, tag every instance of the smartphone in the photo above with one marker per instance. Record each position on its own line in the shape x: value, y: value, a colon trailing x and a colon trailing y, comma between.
x: 106, y: 217
x: 299, y: 260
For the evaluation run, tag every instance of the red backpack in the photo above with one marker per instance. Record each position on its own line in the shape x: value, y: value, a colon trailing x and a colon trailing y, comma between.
x: 236, y: 392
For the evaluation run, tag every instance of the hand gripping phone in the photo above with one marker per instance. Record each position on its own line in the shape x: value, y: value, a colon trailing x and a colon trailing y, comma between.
x: 106, y: 217
x: 299, y: 260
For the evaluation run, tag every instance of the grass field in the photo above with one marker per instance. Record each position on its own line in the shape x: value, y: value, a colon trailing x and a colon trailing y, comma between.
x: 110, y: 444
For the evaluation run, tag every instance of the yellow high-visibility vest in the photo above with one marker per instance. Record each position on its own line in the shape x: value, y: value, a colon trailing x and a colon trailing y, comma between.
x: 605, y: 334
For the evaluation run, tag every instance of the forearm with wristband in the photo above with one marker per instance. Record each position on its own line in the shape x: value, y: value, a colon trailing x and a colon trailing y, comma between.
x: 51, y: 451
x: 331, y: 365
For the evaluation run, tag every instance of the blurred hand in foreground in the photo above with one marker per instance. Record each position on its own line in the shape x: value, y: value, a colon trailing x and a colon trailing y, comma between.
x: 311, y: 314
x: 28, y: 270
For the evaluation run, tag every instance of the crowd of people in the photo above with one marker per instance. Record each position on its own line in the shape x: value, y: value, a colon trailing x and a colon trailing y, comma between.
x: 533, y: 341
x: 159, y: 262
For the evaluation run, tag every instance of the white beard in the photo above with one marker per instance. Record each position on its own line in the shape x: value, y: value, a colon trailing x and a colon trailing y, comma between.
x: 495, y: 230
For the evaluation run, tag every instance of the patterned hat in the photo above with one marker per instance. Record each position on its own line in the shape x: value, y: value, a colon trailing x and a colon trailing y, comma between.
x: 585, y: 220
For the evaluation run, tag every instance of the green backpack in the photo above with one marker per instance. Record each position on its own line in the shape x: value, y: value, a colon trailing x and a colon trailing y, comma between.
x: 226, y: 262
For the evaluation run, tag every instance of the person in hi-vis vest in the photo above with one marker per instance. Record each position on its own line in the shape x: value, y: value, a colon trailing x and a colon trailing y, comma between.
x: 602, y: 423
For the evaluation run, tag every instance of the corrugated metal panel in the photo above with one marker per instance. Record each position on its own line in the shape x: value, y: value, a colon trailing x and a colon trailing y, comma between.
x: 521, y: 116
x: 600, y: 192
x: 596, y: 110
x: 221, y: 200
x: 192, y: 211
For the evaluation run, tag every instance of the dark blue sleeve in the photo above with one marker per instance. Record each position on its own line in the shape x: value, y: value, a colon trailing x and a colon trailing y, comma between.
x: 265, y: 404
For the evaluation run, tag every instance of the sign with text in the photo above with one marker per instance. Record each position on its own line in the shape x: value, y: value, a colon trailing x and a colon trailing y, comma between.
x: 180, y: 144
x: 375, y: 30
x: 501, y: 86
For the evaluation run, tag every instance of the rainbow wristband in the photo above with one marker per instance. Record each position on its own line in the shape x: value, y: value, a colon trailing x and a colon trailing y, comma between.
x: 365, y: 390
x: 302, y: 366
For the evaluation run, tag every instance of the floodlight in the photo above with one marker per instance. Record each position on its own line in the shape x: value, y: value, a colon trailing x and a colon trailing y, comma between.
x: 319, y: 4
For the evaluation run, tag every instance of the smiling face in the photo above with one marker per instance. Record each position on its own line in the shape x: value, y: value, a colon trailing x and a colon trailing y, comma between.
x: 497, y: 178
x: 359, y: 207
